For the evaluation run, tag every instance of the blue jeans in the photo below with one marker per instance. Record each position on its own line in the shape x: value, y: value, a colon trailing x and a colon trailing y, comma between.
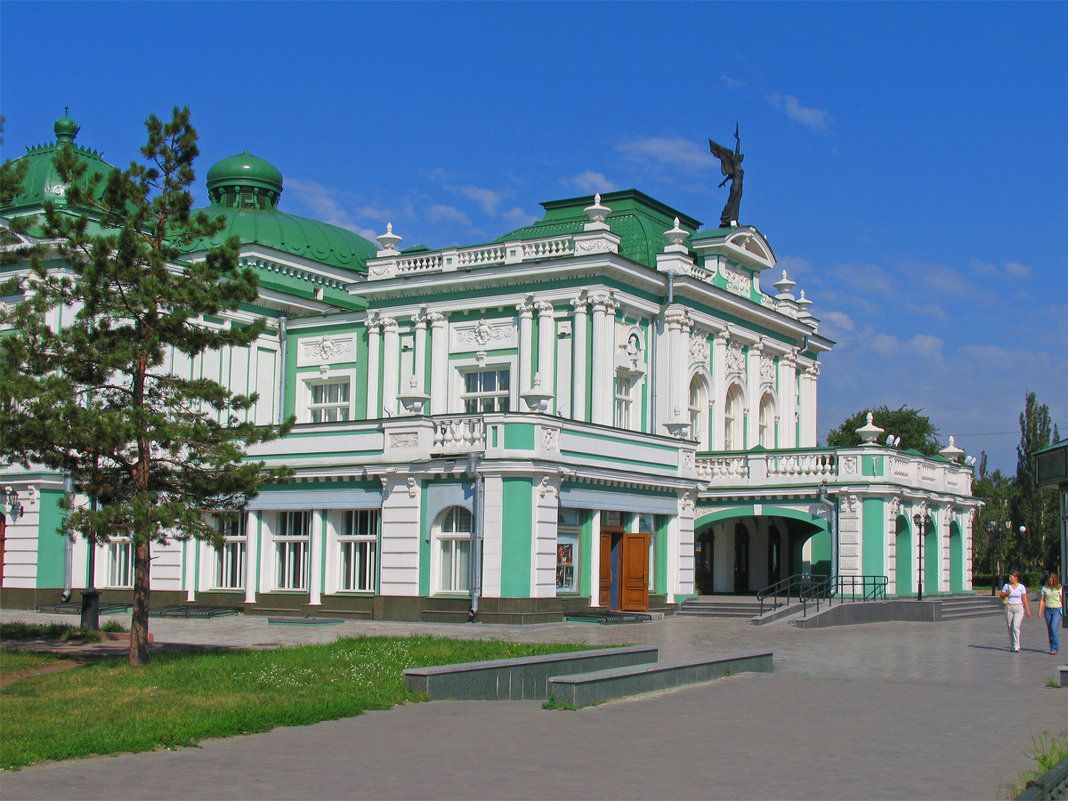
x: 1053, y: 627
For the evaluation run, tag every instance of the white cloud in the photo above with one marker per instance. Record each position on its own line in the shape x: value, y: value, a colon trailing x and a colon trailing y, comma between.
x: 325, y: 204
x: 733, y: 83
x: 518, y: 217
x: 1017, y: 270
x: 446, y: 214
x: 488, y: 199
x: 589, y: 182
x: 809, y: 116
x: 686, y: 153
x: 921, y: 345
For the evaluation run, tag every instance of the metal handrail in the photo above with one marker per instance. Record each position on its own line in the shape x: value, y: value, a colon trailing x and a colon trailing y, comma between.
x: 791, y: 586
x: 871, y: 588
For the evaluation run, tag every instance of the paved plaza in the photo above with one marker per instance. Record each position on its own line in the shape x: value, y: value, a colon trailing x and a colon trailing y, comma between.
x: 878, y: 711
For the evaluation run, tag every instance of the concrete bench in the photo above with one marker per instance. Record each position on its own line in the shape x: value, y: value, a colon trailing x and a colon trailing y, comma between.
x: 602, y: 685
x: 520, y: 678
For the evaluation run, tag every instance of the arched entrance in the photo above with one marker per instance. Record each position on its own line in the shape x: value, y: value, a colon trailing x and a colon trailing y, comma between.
x: 931, y: 557
x: 956, y: 558
x: 739, y: 552
x: 903, y: 557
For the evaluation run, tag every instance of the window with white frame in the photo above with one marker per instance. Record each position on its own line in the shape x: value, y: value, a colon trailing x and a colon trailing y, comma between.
x: 231, y: 554
x: 486, y: 390
x: 734, y: 421
x: 698, y: 408
x: 766, y: 423
x: 292, y: 548
x: 358, y: 545
x: 453, y: 543
x: 567, y: 550
x: 120, y: 562
x: 328, y: 400
x: 624, y: 414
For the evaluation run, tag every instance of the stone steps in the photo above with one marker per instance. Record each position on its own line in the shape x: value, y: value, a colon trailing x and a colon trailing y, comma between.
x: 578, y: 678
x: 959, y: 608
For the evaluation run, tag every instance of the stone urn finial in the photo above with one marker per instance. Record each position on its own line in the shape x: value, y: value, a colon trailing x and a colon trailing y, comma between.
x: 389, y: 240
x: 869, y: 433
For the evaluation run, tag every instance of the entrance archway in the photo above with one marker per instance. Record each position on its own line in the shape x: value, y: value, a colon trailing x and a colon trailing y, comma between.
x: 956, y: 558
x: 737, y: 551
x: 903, y: 557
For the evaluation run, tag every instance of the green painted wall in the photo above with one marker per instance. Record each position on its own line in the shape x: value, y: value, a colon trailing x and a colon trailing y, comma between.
x: 519, y: 436
x: 871, y: 559
x: 663, y: 523
x: 931, y: 540
x: 424, y: 546
x: 956, y: 558
x: 50, y: 542
x: 871, y: 465
x: 517, y: 502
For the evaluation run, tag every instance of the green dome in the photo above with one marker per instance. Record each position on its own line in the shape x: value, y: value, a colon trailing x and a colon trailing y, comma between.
x: 42, y: 182
x: 245, y: 190
x: 244, y: 174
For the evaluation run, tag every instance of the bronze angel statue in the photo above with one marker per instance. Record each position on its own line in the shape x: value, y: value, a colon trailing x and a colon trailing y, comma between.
x: 731, y: 166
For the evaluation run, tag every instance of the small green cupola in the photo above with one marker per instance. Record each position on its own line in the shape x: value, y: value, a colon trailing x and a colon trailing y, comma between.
x: 244, y: 181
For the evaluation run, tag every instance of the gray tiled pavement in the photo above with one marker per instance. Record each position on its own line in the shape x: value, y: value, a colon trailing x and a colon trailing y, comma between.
x: 887, y: 710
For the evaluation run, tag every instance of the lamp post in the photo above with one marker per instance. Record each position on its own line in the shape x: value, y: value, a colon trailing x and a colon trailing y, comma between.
x: 919, y: 523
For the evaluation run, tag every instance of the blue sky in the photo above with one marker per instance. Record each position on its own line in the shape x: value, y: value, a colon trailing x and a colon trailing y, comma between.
x: 906, y: 161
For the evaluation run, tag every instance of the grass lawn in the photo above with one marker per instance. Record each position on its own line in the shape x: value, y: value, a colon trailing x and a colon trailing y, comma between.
x: 179, y: 699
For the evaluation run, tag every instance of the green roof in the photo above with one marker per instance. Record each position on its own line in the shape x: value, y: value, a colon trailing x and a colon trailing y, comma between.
x: 638, y: 220
x: 245, y: 189
x: 42, y: 182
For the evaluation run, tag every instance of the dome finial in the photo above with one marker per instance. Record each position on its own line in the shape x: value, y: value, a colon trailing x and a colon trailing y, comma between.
x: 65, y: 128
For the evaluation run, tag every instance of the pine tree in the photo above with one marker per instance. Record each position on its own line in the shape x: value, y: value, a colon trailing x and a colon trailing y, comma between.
x: 94, y: 396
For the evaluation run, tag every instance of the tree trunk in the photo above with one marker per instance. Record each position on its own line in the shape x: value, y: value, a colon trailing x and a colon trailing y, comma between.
x: 139, y: 618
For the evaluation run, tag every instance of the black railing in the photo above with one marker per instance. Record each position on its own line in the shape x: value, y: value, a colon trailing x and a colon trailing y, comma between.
x: 791, y: 587
x: 844, y: 588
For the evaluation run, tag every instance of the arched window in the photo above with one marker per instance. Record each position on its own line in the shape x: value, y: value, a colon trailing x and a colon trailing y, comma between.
x: 766, y: 427
x: 698, y: 408
x: 453, y: 544
x: 734, y: 420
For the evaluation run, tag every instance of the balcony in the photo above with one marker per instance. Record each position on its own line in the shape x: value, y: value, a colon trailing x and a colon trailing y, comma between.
x: 808, y: 468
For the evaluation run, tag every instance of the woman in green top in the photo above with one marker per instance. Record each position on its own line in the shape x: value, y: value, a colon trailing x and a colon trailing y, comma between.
x: 1051, y: 606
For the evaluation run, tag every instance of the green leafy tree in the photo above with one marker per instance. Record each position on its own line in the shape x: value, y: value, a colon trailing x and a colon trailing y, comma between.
x: 915, y: 429
x: 95, y: 396
x: 1035, y: 507
x: 994, y: 535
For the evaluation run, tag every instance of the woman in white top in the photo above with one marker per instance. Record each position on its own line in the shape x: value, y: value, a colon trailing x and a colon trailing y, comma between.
x: 1016, y: 606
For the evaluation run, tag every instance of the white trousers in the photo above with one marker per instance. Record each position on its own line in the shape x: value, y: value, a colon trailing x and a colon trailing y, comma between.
x: 1014, y: 615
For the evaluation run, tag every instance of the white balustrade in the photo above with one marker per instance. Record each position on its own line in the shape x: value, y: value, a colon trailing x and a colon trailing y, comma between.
x: 459, y: 434
x: 430, y: 262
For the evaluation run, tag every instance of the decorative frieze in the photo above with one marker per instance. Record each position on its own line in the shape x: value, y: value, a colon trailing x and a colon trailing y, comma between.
x: 700, y: 350
x: 327, y: 350
x: 735, y: 358
x: 469, y: 336
x: 739, y: 281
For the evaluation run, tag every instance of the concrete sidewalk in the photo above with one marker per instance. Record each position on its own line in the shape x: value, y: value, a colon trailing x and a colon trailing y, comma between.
x: 889, y: 710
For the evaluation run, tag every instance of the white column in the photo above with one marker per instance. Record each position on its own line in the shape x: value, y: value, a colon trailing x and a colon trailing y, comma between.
x: 526, y: 328
x: 578, y: 360
x: 252, y: 550
x: 439, y: 363
x: 719, y: 388
x: 390, y: 365
x: 788, y: 401
x: 809, y: 433
x: 543, y: 537
x: 678, y: 326
x: 315, y: 559
x: 374, y: 342
x: 752, y: 420
x: 419, y: 321
x: 547, y: 349
x: 603, y: 392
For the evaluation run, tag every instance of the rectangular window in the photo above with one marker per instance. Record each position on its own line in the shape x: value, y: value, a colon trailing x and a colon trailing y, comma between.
x: 120, y: 563
x: 486, y: 390
x: 358, y: 543
x: 624, y: 401
x: 329, y: 401
x: 292, y: 542
x: 230, y: 556
x: 455, y: 565
x: 566, y: 562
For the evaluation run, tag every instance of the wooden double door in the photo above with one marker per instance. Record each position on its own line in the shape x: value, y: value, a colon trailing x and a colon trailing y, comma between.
x: 624, y: 569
